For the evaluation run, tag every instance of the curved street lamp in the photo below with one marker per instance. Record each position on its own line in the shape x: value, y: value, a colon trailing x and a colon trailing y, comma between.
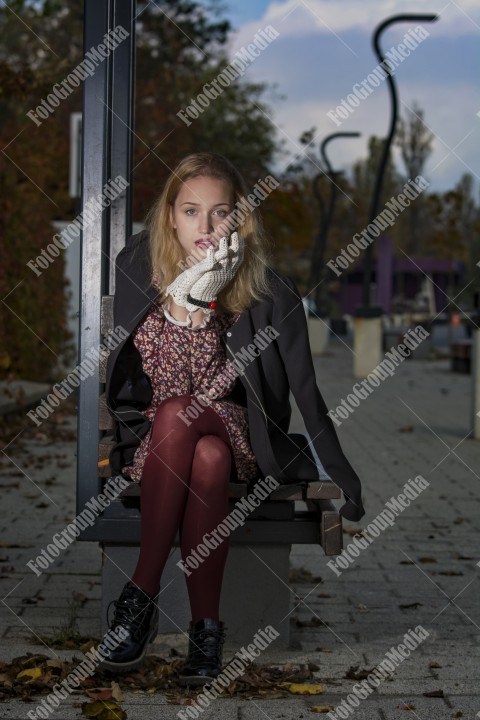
x: 404, y: 17
x: 320, y: 242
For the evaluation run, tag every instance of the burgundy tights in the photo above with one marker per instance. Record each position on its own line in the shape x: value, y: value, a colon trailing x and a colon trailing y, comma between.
x: 184, y: 486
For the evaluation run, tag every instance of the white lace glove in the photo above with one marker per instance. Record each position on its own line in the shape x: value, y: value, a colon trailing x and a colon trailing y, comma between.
x: 228, y: 258
x: 181, y: 286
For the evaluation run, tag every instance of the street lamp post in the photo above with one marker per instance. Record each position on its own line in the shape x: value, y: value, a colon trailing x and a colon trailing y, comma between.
x: 367, y: 320
x: 320, y: 242
x: 404, y: 17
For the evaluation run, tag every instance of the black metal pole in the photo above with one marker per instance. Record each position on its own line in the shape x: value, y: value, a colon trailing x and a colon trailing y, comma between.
x: 320, y: 244
x: 314, y: 264
x: 107, y: 140
x: 386, y: 150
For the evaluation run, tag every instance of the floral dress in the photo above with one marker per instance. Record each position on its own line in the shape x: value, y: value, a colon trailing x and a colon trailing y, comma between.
x: 181, y: 360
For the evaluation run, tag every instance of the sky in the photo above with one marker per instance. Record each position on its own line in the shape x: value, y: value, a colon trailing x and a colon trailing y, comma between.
x: 324, y: 48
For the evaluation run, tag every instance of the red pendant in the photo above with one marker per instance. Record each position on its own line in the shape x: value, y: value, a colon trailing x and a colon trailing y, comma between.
x: 213, y: 305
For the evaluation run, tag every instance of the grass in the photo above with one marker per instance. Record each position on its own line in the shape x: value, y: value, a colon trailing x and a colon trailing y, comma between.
x: 67, y: 636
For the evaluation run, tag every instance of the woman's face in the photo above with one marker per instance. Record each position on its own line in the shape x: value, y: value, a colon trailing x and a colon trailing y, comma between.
x: 201, y: 206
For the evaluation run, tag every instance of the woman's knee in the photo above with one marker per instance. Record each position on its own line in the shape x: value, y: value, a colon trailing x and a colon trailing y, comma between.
x: 212, y: 457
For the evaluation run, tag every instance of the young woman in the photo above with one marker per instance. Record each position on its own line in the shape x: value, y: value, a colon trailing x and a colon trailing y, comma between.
x: 200, y: 390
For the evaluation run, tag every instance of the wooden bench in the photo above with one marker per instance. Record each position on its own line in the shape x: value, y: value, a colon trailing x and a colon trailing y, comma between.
x: 461, y: 356
x: 258, y: 560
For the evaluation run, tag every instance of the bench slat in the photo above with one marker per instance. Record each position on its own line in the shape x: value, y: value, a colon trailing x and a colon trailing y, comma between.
x: 102, y: 367
x: 317, y: 490
x: 104, y: 447
x: 106, y: 314
x: 105, y: 420
x: 314, y: 490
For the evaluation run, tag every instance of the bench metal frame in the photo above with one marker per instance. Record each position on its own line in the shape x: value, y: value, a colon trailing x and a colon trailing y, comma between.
x: 107, y: 141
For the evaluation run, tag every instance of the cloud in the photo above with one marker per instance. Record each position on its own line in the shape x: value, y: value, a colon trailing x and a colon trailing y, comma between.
x: 297, y: 18
x: 456, y: 144
x: 315, y: 67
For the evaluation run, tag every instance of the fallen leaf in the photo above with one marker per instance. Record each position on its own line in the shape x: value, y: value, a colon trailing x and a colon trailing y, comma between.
x: 434, y: 693
x: 406, y: 428
x: 457, y: 714
x: 103, y: 710
x: 354, y: 674
x: 116, y: 692
x: 313, y: 622
x: 5, y: 680
x: 410, y: 605
x: 298, y: 689
x: 406, y: 707
x: 427, y: 560
x: 99, y: 693
x: 434, y: 664
x: 321, y: 708
x: 301, y: 574
x: 86, y: 646
x: 32, y: 673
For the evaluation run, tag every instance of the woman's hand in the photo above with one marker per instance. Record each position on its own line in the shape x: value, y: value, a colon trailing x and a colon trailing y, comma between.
x: 181, y: 286
x: 228, y: 259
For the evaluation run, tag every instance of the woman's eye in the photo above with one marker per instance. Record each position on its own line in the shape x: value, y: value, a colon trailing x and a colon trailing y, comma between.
x: 222, y: 213
x: 189, y: 211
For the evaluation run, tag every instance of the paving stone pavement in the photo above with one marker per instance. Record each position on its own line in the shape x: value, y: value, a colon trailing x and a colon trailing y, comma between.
x: 415, y: 423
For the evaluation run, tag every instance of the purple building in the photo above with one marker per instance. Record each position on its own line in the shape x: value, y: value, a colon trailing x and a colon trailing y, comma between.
x: 400, y: 282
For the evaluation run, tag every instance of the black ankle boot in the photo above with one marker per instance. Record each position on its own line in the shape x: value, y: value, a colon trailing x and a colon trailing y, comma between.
x: 137, y: 612
x: 204, y: 659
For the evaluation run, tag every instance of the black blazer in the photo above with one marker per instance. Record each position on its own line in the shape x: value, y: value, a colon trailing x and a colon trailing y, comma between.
x: 285, y: 364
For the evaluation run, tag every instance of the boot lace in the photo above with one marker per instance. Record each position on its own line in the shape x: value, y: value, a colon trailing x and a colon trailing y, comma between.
x: 129, y: 615
x: 206, y: 643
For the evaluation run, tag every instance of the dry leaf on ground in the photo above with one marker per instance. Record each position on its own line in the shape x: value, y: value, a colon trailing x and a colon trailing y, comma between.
x: 321, y: 708
x: 434, y: 693
x: 304, y: 689
x: 103, y: 710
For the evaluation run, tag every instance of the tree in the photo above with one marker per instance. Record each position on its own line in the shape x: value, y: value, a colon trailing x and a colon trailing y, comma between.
x: 180, y: 48
x: 415, y: 143
x: 181, y: 44
x: 455, y: 230
x: 34, y: 334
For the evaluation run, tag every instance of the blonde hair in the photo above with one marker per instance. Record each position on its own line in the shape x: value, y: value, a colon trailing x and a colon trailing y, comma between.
x: 167, y: 256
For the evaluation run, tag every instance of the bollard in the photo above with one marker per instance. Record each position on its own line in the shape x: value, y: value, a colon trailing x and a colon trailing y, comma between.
x: 367, y: 345
x: 476, y: 383
x: 319, y: 334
